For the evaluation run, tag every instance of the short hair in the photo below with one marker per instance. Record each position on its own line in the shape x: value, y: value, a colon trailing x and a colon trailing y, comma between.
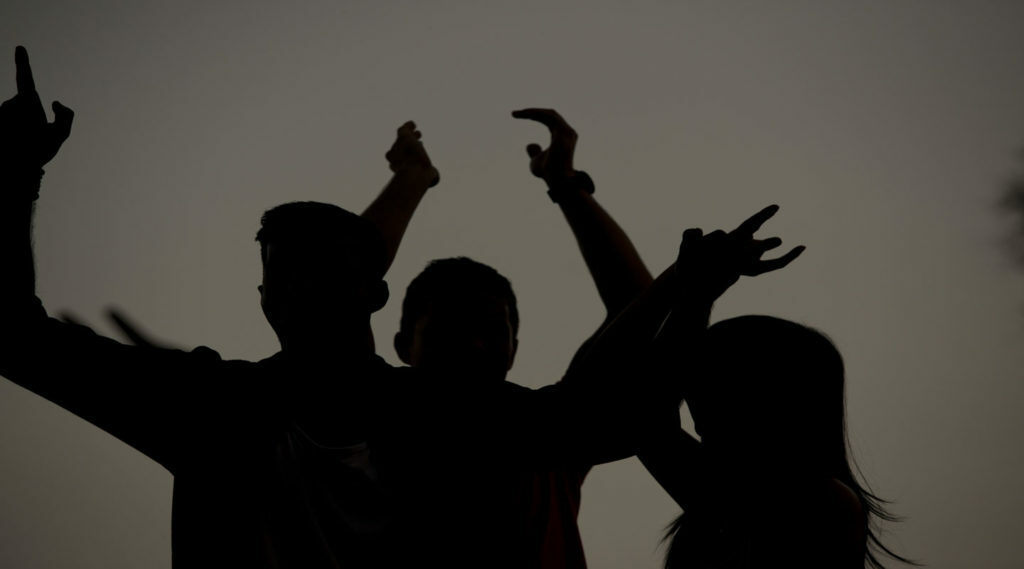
x: 315, y: 225
x: 451, y: 279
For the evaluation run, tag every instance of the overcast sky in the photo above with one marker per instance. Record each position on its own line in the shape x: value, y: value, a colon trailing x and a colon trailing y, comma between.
x: 885, y: 130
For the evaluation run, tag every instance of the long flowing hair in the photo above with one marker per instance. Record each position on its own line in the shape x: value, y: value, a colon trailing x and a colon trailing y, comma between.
x: 793, y: 376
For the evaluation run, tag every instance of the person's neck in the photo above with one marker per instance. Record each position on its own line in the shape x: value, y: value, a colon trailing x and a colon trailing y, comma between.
x: 336, y: 345
x: 459, y: 374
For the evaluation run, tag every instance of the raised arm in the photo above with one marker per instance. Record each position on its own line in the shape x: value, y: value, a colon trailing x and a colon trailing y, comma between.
x: 635, y: 369
x: 27, y: 143
x: 133, y: 393
x: 707, y: 266
x: 392, y: 210
x: 611, y: 258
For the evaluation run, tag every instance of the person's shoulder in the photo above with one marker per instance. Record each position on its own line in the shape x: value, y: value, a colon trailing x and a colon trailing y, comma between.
x: 207, y: 357
x: 207, y: 353
x: 841, y: 523
x: 842, y: 498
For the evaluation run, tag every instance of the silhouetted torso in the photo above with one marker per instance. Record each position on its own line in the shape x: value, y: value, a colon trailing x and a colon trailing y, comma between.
x: 251, y: 487
x: 443, y: 478
x: 481, y: 473
x: 264, y: 492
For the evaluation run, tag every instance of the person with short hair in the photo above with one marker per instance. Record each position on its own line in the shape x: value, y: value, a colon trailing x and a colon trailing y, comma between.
x: 256, y: 448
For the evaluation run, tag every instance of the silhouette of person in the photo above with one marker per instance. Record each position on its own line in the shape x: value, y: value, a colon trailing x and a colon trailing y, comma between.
x: 770, y: 482
x: 460, y: 322
x: 270, y: 458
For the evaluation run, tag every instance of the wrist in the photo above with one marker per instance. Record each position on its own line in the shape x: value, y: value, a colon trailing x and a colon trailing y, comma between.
x: 22, y: 184
x: 426, y: 177
x: 576, y: 184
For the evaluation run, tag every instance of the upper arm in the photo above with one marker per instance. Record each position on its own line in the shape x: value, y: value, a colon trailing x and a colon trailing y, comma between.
x: 153, y: 399
x: 672, y: 456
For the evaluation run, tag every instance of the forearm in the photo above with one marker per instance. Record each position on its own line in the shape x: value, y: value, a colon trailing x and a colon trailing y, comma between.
x: 393, y: 209
x: 611, y: 258
x: 673, y: 459
x: 630, y: 333
x: 17, y: 287
x: 630, y: 379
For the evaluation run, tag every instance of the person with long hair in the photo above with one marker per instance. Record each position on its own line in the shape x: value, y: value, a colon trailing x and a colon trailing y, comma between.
x: 770, y: 482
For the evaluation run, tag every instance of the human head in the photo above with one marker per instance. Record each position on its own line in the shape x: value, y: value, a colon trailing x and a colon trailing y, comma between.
x: 771, y: 389
x: 322, y: 271
x: 459, y: 317
x: 769, y: 403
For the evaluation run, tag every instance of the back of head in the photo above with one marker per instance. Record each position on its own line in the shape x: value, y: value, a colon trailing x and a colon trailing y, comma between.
x: 322, y: 271
x: 325, y: 230
x: 774, y: 390
x: 452, y: 279
x: 459, y: 314
x: 761, y: 371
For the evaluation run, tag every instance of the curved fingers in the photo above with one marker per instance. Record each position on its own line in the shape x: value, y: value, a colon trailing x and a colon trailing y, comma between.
x: 769, y: 265
x: 547, y: 117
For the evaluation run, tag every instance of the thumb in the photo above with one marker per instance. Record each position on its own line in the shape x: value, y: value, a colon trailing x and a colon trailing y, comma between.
x: 62, y: 118
x: 56, y: 132
x: 533, y: 149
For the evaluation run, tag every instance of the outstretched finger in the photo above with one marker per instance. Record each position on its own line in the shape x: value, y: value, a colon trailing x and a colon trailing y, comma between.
x: 130, y: 330
x: 754, y: 222
x: 23, y: 72
x: 767, y: 244
x: 770, y: 265
x: 547, y: 117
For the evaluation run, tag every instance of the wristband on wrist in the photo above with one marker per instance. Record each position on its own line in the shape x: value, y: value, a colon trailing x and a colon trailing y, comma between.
x: 579, y: 181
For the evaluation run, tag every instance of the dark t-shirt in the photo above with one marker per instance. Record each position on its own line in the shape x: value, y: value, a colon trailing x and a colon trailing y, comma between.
x: 488, y: 475
x: 554, y: 505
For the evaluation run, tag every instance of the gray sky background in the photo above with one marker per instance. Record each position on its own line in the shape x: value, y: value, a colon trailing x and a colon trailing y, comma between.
x: 886, y: 130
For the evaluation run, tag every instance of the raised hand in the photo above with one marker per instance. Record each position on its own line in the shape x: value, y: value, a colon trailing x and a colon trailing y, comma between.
x: 27, y: 140
x: 554, y: 163
x: 709, y: 264
x: 408, y: 156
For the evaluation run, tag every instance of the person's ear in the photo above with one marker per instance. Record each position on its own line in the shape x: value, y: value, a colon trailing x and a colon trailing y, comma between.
x: 402, y: 346
x: 512, y: 356
x: 263, y: 306
x: 379, y: 296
